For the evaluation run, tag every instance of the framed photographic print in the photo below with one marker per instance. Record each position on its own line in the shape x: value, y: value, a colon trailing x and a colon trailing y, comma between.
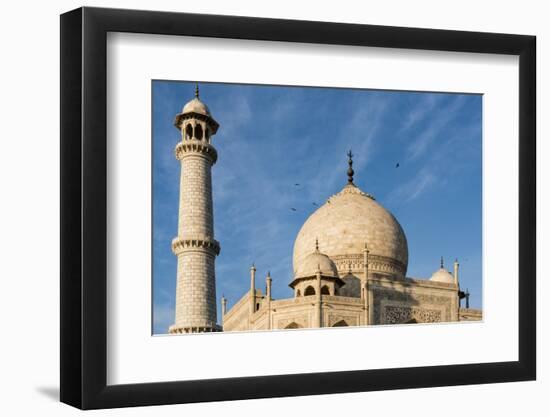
x: 259, y: 208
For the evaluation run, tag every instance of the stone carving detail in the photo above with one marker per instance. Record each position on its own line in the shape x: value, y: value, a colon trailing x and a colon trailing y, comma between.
x: 352, y: 189
x: 179, y: 245
x: 196, y: 146
x: 194, y: 329
x: 398, y: 315
x: 349, y: 320
x: 377, y: 263
x: 283, y: 323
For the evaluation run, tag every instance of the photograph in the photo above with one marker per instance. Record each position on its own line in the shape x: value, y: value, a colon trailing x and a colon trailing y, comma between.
x: 301, y: 207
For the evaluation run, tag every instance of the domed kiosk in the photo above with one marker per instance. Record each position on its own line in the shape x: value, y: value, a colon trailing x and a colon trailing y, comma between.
x: 316, y: 273
x: 442, y: 275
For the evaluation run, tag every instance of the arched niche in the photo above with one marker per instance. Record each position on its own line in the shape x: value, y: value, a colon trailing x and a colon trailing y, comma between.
x: 198, y: 132
x: 188, y: 131
x: 309, y: 290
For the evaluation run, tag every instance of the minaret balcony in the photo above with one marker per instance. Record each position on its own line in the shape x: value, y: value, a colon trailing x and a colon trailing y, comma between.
x: 180, y: 245
x: 191, y: 146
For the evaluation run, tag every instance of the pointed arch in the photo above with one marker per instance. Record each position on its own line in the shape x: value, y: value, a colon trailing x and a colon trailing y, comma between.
x: 341, y: 323
x: 293, y: 325
x: 309, y: 290
x: 325, y: 290
x: 188, y: 131
x: 198, y: 132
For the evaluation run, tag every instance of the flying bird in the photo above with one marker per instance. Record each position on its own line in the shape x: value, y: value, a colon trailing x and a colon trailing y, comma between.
x: 397, y: 165
x: 297, y: 184
x: 314, y: 204
x: 293, y: 209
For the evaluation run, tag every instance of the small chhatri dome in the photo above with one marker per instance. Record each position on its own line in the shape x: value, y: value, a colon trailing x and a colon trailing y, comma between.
x: 196, y: 105
x: 196, y: 110
x: 315, y: 261
x: 345, y: 223
x: 442, y: 275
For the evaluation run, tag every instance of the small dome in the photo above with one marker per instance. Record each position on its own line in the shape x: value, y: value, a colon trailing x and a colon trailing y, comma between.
x: 196, y: 106
x: 442, y: 275
x: 309, y: 266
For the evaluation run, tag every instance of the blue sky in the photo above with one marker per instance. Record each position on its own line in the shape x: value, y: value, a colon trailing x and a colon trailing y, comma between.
x: 272, y: 137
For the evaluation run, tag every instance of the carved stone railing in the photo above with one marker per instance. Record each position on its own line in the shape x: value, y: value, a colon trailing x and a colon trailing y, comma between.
x: 196, y: 146
x: 179, y: 245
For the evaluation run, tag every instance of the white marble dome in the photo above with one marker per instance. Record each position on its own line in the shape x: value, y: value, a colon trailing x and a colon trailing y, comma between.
x: 196, y: 106
x: 442, y: 275
x: 343, y: 225
x: 314, y: 261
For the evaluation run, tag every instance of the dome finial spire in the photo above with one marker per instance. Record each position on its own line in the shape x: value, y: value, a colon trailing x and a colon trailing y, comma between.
x: 197, y: 90
x: 316, y: 245
x: 442, y: 262
x: 350, y: 168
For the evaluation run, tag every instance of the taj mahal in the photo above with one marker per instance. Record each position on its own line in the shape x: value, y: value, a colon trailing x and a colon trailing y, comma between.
x: 350, y: 259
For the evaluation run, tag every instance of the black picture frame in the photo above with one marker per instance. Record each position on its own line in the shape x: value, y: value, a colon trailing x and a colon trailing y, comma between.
x: 84, y: 207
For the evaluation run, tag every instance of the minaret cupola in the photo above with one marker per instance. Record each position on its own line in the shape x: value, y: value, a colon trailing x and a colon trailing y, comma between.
x: 195, y: 120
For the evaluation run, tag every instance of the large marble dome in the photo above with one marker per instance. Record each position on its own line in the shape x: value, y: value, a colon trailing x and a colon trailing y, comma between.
x: 344, y: 224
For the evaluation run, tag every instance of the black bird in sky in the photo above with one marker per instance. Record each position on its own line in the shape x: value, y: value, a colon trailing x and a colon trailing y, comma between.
x: 297, y: 184
x: 293, y: 209
x: 314, y: 204
x: 397, y: 165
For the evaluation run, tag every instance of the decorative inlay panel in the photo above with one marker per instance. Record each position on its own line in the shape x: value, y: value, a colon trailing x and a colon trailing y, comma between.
x: 398, y: 315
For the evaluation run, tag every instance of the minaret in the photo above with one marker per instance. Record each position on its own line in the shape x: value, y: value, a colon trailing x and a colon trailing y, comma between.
x: 268, y: 298
x: 252, y: 289
x: 224, y: 306
x: 319, y: 315
x: 455, y: 275
x: 195, y: 245
x: 365, y: 289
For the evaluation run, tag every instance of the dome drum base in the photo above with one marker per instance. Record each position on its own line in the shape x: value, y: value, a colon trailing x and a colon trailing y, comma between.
x: 377, y: 265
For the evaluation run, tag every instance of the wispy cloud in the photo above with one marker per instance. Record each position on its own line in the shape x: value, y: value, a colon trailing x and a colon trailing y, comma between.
x: 415, y: 187
x: 282, y: 153
x: 422, y: 110
x: 435, y: 128
x: 358, y: 132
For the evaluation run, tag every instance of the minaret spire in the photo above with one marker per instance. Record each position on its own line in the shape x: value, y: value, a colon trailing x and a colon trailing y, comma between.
x: 442, y: 263
x: 197, y: 90
x: 350, y: 167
